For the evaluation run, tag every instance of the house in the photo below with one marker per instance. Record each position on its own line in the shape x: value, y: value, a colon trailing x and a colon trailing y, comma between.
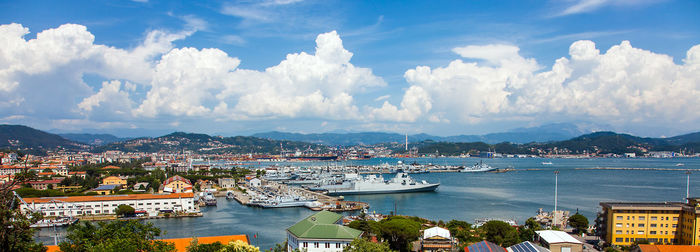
x: 527, y: 246
x: 106, y: 189
x: 44, y: 184
x: 205, y: 184
x: 321, y: 231
x: 227, y: 183
x: 484, y: 246
x: 177, y: 184
x: 80, y: 174
x: 111, y: 167
x: 558, y: 241
x: 113, y: 180
x: 436, y: 239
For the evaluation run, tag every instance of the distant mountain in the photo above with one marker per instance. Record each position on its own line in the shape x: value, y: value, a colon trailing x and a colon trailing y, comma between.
x: 202, y: 143
x: 545, y: 133
x: 92, y: 139
x: 26, y: 138
x: 599, y: 142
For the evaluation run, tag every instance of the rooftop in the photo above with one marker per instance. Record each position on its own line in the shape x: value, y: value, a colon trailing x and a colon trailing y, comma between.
x: 668, y: 248
x: 182, y: 243
x: 553, y: 236
x: 527, y: 246
x: 642, y: 205
x: 322, y: 225
x: 106, y: 187
x: 109, y: 197
x: 484, y: 246
x: 436, y: 231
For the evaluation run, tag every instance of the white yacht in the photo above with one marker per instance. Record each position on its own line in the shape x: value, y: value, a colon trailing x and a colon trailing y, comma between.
x: 478, y: 167
x: 372, y: 184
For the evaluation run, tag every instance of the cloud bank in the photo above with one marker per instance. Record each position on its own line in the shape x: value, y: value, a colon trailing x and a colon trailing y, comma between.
x: 47, y: 78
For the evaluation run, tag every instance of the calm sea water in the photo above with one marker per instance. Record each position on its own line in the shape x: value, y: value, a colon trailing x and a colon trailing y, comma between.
x: 463, y: 196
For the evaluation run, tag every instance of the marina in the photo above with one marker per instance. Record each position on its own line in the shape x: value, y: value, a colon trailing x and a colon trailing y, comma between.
x: 515, y: 195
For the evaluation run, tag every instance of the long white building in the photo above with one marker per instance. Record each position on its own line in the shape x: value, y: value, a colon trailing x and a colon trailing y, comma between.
x: 76, y: 206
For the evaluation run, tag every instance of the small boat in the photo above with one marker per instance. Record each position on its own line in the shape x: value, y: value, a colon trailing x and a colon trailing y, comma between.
x: 229, y: 195
x: 547, y: 163
x: 680, y: 164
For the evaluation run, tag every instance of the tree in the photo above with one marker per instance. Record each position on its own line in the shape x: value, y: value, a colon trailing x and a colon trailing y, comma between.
x: 500, y: 233
x: 117, y: 236
x: 211, y: 247
x: 462, y: 231
x: 362, y: 245
x: 239, y: 246
x: 527, y: 231
x: 579, y: 223
x: 400, y: 232
x: 125, y: 210
x: 16, y: 233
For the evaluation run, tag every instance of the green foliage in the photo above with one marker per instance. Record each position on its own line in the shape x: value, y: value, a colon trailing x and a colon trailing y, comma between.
x: 362, y: 245
x: 368, y: 228
x: 400, y: 231
x: 125, y: 210
x: 527, y: 231
x: 462, y: 231
x: 500, y: 233
x: 211, y: 247
x: 28, y: 192
x: 579, y: 223
x: 16, y: 233
x: 239, y: 246
x: 117, y: 236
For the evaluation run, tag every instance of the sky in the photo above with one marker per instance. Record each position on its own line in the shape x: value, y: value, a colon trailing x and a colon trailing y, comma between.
x: 150, y: 67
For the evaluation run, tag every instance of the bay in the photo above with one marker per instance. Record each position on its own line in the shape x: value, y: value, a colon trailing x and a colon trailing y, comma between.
x: 464, y: 196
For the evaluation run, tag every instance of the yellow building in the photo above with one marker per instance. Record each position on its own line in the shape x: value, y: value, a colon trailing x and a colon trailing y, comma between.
x: 177, y: 184
x: 113, y: 180
x: 623, y: 223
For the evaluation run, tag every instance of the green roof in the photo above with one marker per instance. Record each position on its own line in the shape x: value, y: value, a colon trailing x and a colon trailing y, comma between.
x: 322, y: 225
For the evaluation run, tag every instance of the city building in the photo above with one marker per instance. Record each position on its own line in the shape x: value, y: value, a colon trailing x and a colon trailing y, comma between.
x: 558, y: 241
x: 152, y: 204
x: 436, y: 239
x: 321, y: 231
x: 106, y: 189
x: 177, y: 184
x: 113, y: 180
x: 44, y: 184
x: 227, y: 183
x: 623, y: 223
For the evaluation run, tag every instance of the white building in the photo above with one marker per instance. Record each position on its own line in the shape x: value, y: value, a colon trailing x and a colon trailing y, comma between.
x: 320, y: 232
x: 255, y: 182
x: 152, y: 204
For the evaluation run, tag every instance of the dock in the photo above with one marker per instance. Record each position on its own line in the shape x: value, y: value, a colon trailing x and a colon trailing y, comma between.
x: 327, y: 202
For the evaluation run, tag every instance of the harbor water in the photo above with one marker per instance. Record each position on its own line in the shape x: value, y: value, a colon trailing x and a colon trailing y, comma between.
x: 465, y: 196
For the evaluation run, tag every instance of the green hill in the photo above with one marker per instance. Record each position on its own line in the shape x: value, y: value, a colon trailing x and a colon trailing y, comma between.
x: 21, y: 137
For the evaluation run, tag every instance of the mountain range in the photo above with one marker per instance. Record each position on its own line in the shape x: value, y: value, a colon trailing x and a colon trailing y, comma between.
x: 545, y: 133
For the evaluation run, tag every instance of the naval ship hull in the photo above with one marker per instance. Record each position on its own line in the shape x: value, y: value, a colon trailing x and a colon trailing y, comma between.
x: 426, y: 188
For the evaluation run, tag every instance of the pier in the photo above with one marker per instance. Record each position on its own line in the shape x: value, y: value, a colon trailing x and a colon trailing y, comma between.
x: 326, y: 202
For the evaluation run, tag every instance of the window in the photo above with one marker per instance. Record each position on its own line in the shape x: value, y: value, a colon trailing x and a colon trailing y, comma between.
x: 641, y: 217
x: 619, y: 217
x: 306, y: 244
x: 675, y: 218
x: 653, y: 218
x: 97, y: 211
x: 627, y: 239
x: 618, y: 225
x: 315, y: 244
x: 640, y: 232
x: 337, y: 245
x: 157, y: 203
x: 674, y: 225
x: 328, y: 245
x: 618, y: 239
x: 618, y: 231
x: 652, y: 232
x: 640, y: 225
x: 652, y: 225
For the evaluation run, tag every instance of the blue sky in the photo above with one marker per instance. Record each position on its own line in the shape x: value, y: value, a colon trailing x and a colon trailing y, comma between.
x: 438, y: 67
